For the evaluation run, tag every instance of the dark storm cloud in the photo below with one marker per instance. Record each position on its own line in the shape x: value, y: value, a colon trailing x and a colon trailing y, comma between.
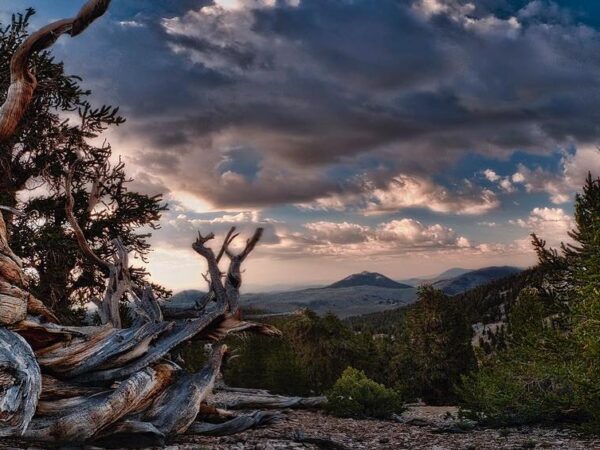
x: 310, y: 86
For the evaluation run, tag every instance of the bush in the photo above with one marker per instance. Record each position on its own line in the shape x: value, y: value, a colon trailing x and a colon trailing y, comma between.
x: 355, y: 395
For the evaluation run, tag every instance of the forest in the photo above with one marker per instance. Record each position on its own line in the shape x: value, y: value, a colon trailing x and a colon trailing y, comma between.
x: 91, y: 351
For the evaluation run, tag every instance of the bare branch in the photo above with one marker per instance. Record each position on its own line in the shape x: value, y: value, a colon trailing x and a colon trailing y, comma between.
x: 79, y: 236
x: 250, y: 244
x: 213, y: 268
x: 117, y: 285
x: 228, y: 240
x: 22, y: 81
x: 233, y: 281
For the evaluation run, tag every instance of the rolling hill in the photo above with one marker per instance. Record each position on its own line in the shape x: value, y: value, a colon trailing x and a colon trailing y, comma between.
x: 358, y: 294
x: 474, y: 278
x: 445, y: 275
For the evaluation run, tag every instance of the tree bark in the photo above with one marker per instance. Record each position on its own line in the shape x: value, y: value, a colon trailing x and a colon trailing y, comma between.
x: 107, y: 383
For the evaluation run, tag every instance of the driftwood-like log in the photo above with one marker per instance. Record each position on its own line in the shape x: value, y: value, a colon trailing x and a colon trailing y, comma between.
x: 239, y: 398
x: 239, y: 424
x: 175, y: 410
x: 86, y: 419
x: 20, y: 383
x: 108, y: 384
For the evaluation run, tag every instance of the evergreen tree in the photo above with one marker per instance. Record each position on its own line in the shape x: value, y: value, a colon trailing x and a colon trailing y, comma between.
x: 58, y: 132
x: 434, y: 348
x: 550, y: 370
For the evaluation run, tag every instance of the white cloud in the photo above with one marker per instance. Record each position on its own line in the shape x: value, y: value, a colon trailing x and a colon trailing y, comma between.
x: 395, y: 237
x: 561, y: 187
x: 491, y: 175
x: 412, y: 233
x: 338, y: 233
x: 551, y: 224
x: 462, y: 13
x: 130, y: 24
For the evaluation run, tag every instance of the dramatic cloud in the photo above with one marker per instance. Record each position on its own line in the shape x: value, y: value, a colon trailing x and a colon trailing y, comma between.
x: 405, y: 191
x: 301, y: 94
x: 350, y: 127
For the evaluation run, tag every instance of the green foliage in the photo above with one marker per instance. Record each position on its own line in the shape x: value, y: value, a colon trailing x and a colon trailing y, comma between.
x: 37, y: 158
x: 550, y: 370
x: 530, y: 381
x: 307, y: 359
x: 355, y: 395
x: 433, y: 349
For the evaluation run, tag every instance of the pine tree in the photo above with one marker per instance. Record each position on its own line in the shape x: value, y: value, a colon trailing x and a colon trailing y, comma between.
x: 57, y: 134
x: 434, y: 348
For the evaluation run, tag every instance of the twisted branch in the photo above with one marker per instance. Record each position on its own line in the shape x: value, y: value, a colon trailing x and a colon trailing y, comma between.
x: 23, y: 81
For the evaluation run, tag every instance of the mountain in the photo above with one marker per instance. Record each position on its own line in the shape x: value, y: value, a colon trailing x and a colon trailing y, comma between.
x: 358, y: 294
x: 474, y: 278
x: 485, y: 304
x: 445, y: 275
x: 368, y: 279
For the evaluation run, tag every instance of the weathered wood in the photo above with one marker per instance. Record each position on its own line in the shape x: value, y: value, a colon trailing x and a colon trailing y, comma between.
x: 260, y: 399
x: 108, y: 384
x: 102, y: 410
x: 37, y: 308
x: 233, y: 280
x: 84, y: 355
x: 20, y: 383
x: 55, y: 389
x: 176, y: 409
x: 12, y: 309
x: 22, y: 81
x: 180, y: 332
x: 239, y: 424
x: 11, y: 272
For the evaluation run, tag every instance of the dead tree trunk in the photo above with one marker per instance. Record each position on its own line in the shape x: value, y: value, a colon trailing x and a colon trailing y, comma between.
x: 102, y: 383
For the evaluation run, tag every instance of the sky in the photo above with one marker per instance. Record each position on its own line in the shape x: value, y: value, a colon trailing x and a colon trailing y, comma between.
x: 398, y: 136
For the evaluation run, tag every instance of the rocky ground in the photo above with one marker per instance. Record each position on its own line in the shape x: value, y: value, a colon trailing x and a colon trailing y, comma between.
x: 421, y: 428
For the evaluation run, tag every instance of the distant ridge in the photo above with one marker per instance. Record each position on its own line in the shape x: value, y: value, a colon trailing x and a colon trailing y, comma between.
x: 474, y: 278
x: 445, y: 275
x: 368, y: 279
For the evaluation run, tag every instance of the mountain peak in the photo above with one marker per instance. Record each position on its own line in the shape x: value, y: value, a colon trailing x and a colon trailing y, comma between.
x: 366, y: 278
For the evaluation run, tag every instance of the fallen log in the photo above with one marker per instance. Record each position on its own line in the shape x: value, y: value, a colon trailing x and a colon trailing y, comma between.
x: 111, y: 383
x: 86, y: 419
x: 237, y: 425
x: 20, y: 384
x: 176, y: 409
x: 239, y: 398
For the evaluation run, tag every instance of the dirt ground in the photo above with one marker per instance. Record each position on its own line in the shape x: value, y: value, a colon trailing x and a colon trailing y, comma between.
x: 423, y: 428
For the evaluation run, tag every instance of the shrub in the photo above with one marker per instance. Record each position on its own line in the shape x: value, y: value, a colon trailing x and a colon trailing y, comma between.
x: 355, y: 395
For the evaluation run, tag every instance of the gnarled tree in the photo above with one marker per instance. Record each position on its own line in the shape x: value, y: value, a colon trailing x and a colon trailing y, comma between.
x: 108, y: 383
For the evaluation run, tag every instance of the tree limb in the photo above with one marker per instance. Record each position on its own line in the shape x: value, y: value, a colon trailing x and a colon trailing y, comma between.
x: 22, y: 81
